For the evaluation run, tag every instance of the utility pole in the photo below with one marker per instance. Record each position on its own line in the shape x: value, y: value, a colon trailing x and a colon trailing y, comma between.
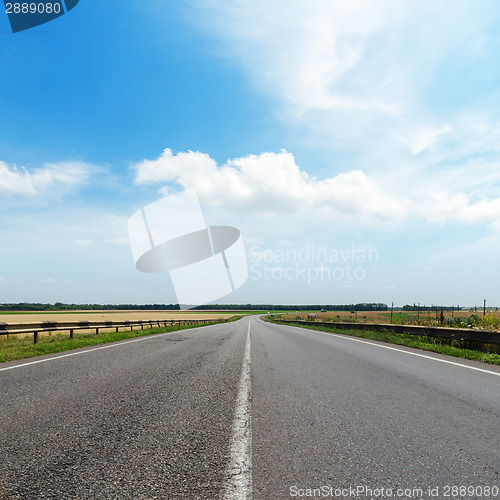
x: 484, y: 308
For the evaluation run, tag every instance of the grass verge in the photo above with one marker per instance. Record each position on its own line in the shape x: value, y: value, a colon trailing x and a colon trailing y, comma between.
x: 12, y: 348
x: 442, y: 346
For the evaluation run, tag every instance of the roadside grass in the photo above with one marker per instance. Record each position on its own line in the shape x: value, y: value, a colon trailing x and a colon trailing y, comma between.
x: 12, y: 347
x: 442, y: 346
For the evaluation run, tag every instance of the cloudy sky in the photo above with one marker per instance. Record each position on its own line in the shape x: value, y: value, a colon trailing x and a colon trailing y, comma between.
x: 356, y: 145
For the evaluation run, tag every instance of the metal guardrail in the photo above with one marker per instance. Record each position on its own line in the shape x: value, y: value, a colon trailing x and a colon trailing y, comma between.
x: 482, y: 336
x: 56, y: 326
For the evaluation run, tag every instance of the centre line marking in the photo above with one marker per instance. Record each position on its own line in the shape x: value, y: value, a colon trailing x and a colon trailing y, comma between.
x: 238, y: 476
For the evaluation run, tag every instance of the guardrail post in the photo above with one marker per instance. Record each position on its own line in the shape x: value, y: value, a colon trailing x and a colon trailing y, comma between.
x: 97, y: 331
x: 35, y: 337
x: 71, y: 334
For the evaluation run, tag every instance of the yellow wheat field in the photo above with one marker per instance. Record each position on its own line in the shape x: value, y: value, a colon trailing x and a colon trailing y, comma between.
x: 111, y: 316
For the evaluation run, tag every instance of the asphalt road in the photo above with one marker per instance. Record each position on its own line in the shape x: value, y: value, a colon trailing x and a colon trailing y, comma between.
x: 249, y: 409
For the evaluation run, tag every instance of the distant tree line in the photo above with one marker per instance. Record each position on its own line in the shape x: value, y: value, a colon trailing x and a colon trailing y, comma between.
x: 59, y: 306
x: 365, y: 306
x: 415, y: 307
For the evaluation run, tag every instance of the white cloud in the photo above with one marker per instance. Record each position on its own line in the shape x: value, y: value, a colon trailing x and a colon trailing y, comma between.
x: 169, y: 166
x: 423, y: 138
x: 365, y: 76
x: 298, y: 50
x: 271, y: 183
x: 15, y: 181
x: 55, y: 177
x: 441, y: 207
x: 367, y: 54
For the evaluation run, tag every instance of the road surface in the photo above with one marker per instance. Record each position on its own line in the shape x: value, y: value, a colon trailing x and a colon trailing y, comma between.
x: 249, y: 410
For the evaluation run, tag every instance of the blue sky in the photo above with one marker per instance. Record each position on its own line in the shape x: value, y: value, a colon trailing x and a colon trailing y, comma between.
x: 337, y: 136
